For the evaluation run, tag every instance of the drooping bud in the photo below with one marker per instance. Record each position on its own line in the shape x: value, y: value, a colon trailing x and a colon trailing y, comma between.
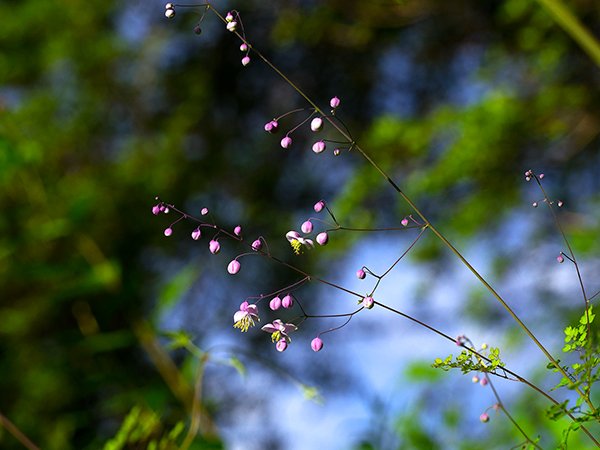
x: 198, y: 30
x: 281, y: 345
x: 237, y: 231
x: 275, y: 304
x: 272, y: 127
x: 475, y: 379
x: 535, y: 204
x: 156, y: 209
x: 229, y: 17
x: 483, y: 382
x: 307, y: 227
x: 245, y: 60
x: 318, y: 147
x: 368, y: 302
x: 323, y: 238
x: 214, y: 247
x: 336, y: 152
x: 234, y: 267
x: 316, y: 124
x: 541, y: 175
x: 196, y: 234
x: 319, y: 206
x: 361, y: 274
x: 204, y: 211
x: 243, y: 47
x: 166, y: 210
x: 560, y: 204
x: 316, y: 344
x: 168, y: 232
x: 287, y: 301
x: 170, y: 13
x: 257, y: 245
x: 484, y: 418
x: 334, y: 102
x: 286, y: 142
x: 560, y: 259
x: 232, y: 26
x: 404, y: 222
x: 169, y: 6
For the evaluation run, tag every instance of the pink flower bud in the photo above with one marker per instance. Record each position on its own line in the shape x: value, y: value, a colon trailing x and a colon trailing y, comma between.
x: 229, y: 17
x: 287, y: 302
x: 475, y: 379
x: 336, y: 152
x: 204, y: 211
x: 483, y: 382
x: 281, y: 345
x: 234, y: 267
x: 535, y: 204
x: 214, y: 247
x: 156, y: 209
x: 286, y: 142
x: 162, y: 208
x: 198, y: 30
x: 237, y: 231
x: 169, y: 6
x: 245, y: 60
x: 232, y: 26
x: 316, y: 124
x: 168, y: 232
x: 307, y: 227
x: 196, y: 234
x: 541, y: 176
x: 527, y: 178
x: 334, y: 102
x: 257, y: 245
x: 404, y: 222
x: 318, y: 147
x: 322, y: 238
x: 316, y: 344
x: 170, y: 13
x: 560, y: 259
x: 275, y: 304
x: 560, y: 204
x: 166, y: 210
x: 272, y: 127
x: 368, y: 302
x: 319, y: 206
x: 243, y: 47
x: 484, y: 418
x: 361, y: 274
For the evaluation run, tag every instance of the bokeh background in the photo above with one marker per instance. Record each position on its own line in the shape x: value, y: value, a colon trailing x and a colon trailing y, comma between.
x: 105, y: 105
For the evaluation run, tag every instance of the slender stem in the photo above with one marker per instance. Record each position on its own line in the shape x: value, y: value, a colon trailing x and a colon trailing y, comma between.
x: 12, y: 429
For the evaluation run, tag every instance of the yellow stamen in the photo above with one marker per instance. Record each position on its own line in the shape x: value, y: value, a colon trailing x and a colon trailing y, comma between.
x: 244, y: 324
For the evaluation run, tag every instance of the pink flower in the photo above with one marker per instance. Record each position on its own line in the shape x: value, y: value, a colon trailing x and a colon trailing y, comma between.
x: 246, y: 316
x: 257, y: 245
x: 316, y: 344
x: 281, y: 345
x: 368, y: 302
x: 279, y: 330
x: 296, y: 241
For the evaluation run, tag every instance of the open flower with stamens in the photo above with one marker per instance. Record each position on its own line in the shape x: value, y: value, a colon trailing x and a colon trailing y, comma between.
x: 297, y: 241
x: 279, y: 330
x: 246, y: 316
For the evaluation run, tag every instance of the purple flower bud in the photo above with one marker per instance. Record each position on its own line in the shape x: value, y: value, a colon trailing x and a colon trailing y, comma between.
x: 527, y: 178
x: 169, y: 6
x: 204, y: 211
x: 319, y: 206
x: 484, y: 418
x: 528, y: 173
x: 316, y: 344
x: 166, y: 210
x: 542, y: 176
x: 196, y: 234
x: 307, y: 227
x: 559, y: 204
x: 322, y: 238
x: 361, y: 274
x: 162, y: 208
x: 198, y: 30
x: 287, y: 302
x: 368, y: 302
x: 229, y: 17
x: 245, y: 60
x: 237, y: 230
x: 243, y: 47
x: 232, y: 26
x: 475, y: 379
x: 275, y: 304
x: 286, y: 142
x: 168, y: 232
x: 483, y: 382
x: 336, y: 152
x: 334, y: 102
x: 560, y: 259
x: 318, y: 147
x: 214, y: 247
x: 257, y: 245
x: 535, y: 204
x: 316, y: 124
x: 281, y: 345
x: 404, y: 222
x: 155, y: 209
x: 170, y: 13
x: 234, y: 267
